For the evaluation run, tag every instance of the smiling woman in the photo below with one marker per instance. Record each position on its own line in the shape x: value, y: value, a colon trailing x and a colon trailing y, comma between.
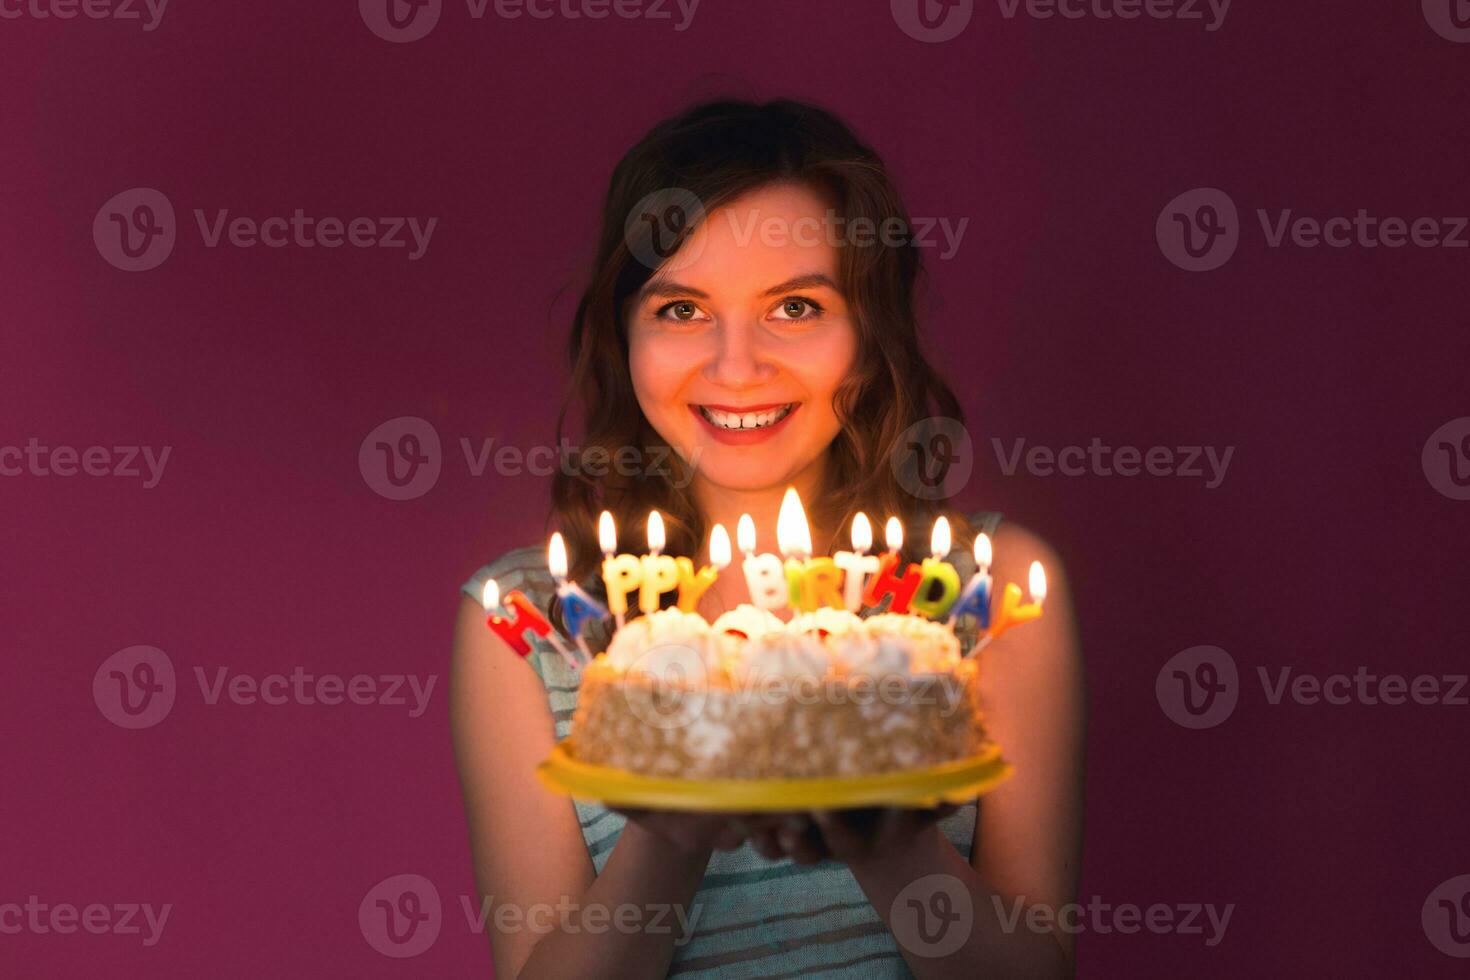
x: 723, y: 328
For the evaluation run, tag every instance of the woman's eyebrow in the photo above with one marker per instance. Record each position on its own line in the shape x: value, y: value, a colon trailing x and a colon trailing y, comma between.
x: 807, y: 281
x: 668, y: 288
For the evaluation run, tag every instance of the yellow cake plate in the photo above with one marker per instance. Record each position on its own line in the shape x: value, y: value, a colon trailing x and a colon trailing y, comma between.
x: 951, y: 782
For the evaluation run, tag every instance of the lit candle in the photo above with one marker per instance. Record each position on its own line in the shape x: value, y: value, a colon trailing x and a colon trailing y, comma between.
x: 1012, y: 613
x: 888, y: 580
x: 621, y: 574
x: 691, y: 585
x: 935, y: 572
x: 975, y: 599
x: 576, y: 605
x: 525, y: 618
x: 764, y: 575
x: 856, y: 564
x: 660, y: 572
x: 813, y: 581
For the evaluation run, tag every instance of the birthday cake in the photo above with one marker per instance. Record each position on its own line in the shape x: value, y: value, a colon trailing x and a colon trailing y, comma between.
x: 822, y: 692
x: 749, y: 696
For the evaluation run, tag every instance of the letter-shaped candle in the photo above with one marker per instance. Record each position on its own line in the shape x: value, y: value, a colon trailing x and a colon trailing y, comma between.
x: 660, y: 572
x: 1012, y: 613
x: 889, y: 580
x: 975, y: 600
x: 525, y: 618
x: 934, y: 572
x: 691, y: 585
x: 576, y: 605
x: 621, y: 574
x: 856, y: 564
x: 764, y: 574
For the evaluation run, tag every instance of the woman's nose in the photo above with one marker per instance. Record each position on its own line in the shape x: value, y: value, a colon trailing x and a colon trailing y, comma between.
x: 738, y: 359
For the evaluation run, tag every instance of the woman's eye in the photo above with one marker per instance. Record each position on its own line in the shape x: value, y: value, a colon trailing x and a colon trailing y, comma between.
x: 797, y: 309
x: 679, y: 311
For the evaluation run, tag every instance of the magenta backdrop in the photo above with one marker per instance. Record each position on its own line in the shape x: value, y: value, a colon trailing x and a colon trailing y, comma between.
x: 1329, y: 545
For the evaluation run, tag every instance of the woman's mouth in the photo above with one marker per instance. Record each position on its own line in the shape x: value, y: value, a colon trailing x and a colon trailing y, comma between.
x: 742, y: 425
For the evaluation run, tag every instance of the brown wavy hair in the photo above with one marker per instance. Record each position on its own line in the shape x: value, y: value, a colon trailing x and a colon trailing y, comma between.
x: 716, y: 152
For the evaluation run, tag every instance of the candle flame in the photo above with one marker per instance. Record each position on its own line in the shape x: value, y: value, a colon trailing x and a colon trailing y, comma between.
x: 862, y: 533
x: 939, y: 541
x: 719, y: 547
x: 556, y: 556
x: 893, y: 534
x: 984, y: 553
x: 793, y: 536
x: 1038, y: 583
x: 745, y: 534
x: 490, y: 598
x: 656, y: 539
x: 607, y: 533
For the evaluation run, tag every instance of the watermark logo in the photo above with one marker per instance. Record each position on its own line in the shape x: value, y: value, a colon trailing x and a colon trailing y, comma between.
x: 135, y: 687
x: 1199, y: 230
x: 676, y: 686
x: 933, y: 458
x: 148, y: 12
x: 401, y: 459
x: 660, y: 224
x: 400, y: 21
x: 1446, y: 459
x: 401, y: 915
x: 1446, y: 917
x: 135, y: 230
x: 1199, y: 687
x: 1450, y: 19
x: 36, y: 459
x: 1207, y: 463
x: 1183, y: 919
x: 41, y: 918
x: 933, y: 916
x: 932, y: 21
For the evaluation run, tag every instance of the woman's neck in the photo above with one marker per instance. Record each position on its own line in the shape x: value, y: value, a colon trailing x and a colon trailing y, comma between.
x: 723, y: 505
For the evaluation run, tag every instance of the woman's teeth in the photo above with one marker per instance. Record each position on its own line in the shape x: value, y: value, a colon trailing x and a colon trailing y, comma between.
x: 745, y: 420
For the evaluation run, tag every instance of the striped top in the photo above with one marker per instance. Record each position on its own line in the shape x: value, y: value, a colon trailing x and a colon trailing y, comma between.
x: 757, y: 918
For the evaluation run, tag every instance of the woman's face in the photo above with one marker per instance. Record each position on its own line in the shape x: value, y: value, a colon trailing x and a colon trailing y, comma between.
x: 740, y: 340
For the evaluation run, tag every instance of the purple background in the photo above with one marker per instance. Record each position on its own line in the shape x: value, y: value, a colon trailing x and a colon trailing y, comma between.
x: 263, y: 548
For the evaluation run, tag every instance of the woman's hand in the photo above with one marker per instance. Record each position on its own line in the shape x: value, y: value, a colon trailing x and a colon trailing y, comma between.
x: 695, y: 832
x: 842, y: 835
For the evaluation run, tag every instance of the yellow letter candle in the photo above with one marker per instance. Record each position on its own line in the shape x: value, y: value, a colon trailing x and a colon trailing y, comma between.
x: 856, y: 564
x: 621, y: 574
x: 794, y: 538
x: 660, y: 571
x: 934, y: 572
x: 693, y: 585
x: 1012, y: 613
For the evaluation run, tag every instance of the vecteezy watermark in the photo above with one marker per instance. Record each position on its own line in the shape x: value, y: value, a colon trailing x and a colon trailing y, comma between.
x: 1126, y: 918
x: 1200, y: 687
x: 1450, y: 19
x: 35, y: 459
x: 137, y: 687
x: 1201, y: 229
x: 402, y: 459
x: 662, y: 223
x: 1446, y: 917
x: 137, y: 230
x: 933, y: 458
x: 933, y: 21
x: 95, y: 918
x: 148, y: 13
x: 1098, y: 459
x: 1446, y: 459
x: 839, y: 231
x: 932, y: 916
x: 405, y: 21
x: 402, y: 916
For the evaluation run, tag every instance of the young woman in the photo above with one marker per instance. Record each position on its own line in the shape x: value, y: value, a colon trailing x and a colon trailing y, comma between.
x: 752, y: 314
